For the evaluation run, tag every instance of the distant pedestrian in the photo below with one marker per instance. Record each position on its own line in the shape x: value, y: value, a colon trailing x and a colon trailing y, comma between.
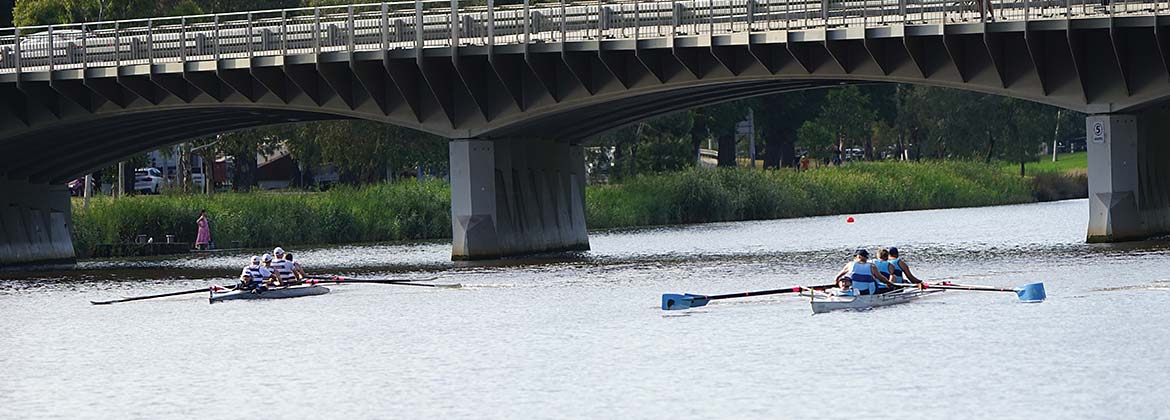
x: 203, y: 236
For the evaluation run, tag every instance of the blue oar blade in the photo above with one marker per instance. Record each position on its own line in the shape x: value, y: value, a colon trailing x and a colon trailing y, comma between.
x: 673, y: 302
x: 697, y: 300
x: 1031, y: 292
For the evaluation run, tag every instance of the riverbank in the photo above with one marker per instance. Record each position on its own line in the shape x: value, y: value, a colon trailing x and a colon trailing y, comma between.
x: 699, y: 195
x: 372, y: 213
x: 421, y: 210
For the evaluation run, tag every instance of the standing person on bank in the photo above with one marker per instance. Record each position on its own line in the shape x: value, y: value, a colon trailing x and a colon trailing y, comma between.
x: 203, y: 235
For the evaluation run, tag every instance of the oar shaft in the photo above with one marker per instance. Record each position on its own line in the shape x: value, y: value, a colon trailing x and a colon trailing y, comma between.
x: 131, y: 299
x: 339, y: 279
x: 795, y: 289
x: 959, y: 287
x: 390, y: 282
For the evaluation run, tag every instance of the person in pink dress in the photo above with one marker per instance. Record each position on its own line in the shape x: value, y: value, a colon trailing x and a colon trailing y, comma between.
x: 203, y: 236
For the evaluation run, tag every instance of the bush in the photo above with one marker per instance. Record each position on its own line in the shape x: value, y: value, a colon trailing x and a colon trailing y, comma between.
x: 726, y: 194
x: 420, y: 210
x: 1052, y: 186
x: 382, y: 212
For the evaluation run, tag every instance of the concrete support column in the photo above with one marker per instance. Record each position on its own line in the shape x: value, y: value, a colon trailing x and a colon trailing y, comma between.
x: 516, y: 197
x: 1129, y: 182
x: 35, y: 223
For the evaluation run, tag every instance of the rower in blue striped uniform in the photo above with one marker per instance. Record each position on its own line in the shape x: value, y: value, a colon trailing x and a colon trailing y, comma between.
x: 255, y: 275
x: 283, y: 267
x: 899, y: 269
x: 863, y: 273
x: 884, y: 266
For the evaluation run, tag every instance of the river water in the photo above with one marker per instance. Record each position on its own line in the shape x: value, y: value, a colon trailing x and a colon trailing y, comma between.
x: 582, y: 336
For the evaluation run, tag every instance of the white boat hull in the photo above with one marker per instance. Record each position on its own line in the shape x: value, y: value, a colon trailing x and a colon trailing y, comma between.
x: 822, y: 303
x: 281, y: 293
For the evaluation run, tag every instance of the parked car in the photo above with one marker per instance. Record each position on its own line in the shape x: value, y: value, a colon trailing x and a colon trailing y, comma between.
x: 148, y: 180
x: 77, y: 187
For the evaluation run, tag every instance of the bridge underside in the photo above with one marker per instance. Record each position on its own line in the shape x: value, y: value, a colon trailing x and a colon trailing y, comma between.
x: 553, y: 96
x: 34, y: 223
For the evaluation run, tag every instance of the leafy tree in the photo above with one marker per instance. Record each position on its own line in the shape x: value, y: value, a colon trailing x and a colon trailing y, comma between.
x: 659, y: 144
x: 779, y: 117
x: 1027, y: 125
x: 720, y: 121
x: 818, y: 139
x: 847, y: 113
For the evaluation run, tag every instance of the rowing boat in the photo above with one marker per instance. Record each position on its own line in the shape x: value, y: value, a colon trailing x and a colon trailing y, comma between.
x: 279, y: 293
x: 825, y: 303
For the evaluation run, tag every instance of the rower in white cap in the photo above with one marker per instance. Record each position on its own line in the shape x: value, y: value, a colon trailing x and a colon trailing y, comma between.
x: 283, y: 267
x: 254, y: 275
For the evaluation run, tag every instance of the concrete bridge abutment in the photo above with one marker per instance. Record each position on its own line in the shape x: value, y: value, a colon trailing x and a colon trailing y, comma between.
x: 1129, y: 180
x: 514, y: 197
x: 35, y: 223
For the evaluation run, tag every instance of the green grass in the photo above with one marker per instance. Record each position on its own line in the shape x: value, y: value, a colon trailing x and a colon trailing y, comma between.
x: 1065, y: 163
x: 381, y: 212
x: 413, y: 210
x: 726, y: 194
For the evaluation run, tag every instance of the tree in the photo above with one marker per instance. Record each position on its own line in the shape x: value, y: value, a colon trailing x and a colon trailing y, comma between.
x: 42, y: 12
x: 721, y: 120
x: 1027, y: 126
x: 779, y: 118
x: 819, y: 140
x: 848, y: 115
x: 666, y: 143
x: 660, y: 144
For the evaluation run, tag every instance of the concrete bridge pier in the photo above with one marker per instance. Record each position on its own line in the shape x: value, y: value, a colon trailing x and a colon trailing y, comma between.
x: 516, y: 196
x: 1129, y: 181
x: 34, y: 223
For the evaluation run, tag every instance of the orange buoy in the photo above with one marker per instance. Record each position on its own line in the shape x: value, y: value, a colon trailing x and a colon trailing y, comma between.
x: 849, y: 220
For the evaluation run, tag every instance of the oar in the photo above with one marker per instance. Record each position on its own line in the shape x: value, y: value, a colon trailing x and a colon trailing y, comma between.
x: 185, y: 292
x: 396, y: 282
x: 349, y: 280
x: 1033, y: 292
x: 674, y: 302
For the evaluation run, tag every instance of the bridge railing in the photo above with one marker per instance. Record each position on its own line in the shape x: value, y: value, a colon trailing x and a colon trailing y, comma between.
x: 443, y: 24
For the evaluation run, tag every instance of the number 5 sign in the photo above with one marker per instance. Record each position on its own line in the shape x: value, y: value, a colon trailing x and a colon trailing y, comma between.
x: 1098, y: 132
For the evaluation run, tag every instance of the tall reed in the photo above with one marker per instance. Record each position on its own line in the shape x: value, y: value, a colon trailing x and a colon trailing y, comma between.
x: 381, y: 212
x: 705, y: 195
x: 413, y: 210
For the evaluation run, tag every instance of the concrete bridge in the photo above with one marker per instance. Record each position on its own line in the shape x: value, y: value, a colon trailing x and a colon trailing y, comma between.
x: 518, y: 88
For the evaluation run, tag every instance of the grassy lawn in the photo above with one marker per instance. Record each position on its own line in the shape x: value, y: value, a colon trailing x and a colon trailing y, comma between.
x: 1065, y: 162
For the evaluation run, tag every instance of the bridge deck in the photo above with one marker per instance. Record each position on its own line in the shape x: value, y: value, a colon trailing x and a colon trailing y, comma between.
x: 392, y: 27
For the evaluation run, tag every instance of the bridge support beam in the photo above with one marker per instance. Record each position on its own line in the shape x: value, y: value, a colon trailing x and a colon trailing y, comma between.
x: 516, y: 197
x: 34, y: 223
x: 1129, y: 183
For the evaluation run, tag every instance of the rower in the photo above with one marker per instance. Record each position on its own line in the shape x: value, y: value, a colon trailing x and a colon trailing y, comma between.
x: 254, y: 284
x: 271, y: 270
x: 883, y: 265
x: 900, y: 269
x: 296, y: 267
x: 254, y: 275
x: 283, y: 267
x: 844, y: 288
x: 862, y: 273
